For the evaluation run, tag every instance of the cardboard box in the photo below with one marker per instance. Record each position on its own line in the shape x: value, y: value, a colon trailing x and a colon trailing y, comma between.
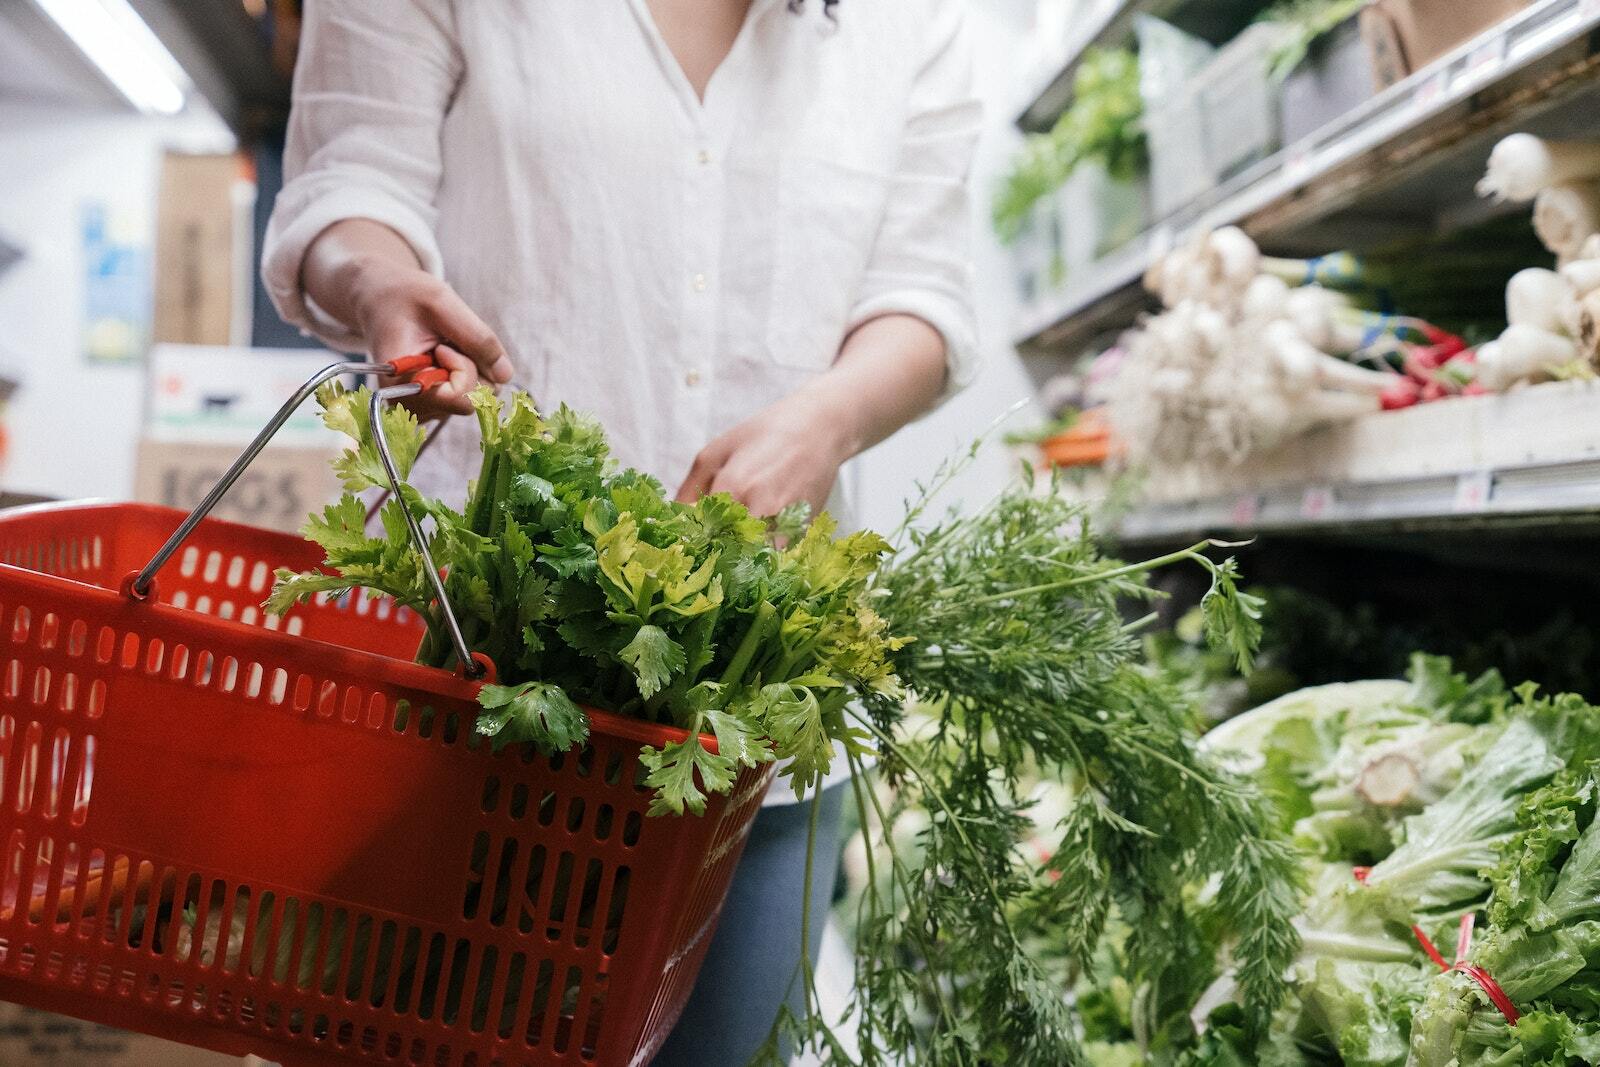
x: 30, y: 1038
x: 198, y: 250
x: 1403, y: 36
x: 204, y: 403
x: 279, y: 490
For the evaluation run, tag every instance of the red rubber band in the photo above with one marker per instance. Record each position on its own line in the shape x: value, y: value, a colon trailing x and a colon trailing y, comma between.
x: 1497, y: 996
x: 1428, y: 947
x: 1485, y: 980
x: 1361, y: 874
x: 1464, y: 937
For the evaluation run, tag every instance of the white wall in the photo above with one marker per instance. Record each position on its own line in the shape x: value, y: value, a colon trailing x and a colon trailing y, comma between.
x: 888, y: 471
x: 73, y: 424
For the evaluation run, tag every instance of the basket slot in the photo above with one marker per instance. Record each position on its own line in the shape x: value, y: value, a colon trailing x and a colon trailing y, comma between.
x: 433, y: 964
x: 570, y: 1004
x: 405, y: 979
x: 504, y: 871
x: 378, y: 978
x: 28, y: 767
x: 508, y: 1013
x: 544, y: 980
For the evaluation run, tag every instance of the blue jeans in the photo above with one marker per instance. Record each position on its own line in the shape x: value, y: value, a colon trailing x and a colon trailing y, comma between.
x: 756, y: 948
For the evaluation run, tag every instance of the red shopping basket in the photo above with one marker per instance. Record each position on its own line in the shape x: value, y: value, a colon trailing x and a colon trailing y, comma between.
x: 282, y: 837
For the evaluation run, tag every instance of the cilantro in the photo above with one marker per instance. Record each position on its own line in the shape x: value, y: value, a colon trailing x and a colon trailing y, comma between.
x: 531, y: 712
x: 654, y: 657
x: 682, y: 772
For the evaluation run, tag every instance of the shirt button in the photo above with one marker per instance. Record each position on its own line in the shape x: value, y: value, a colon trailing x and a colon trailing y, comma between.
x: 699, y: 283
x: 703, y: 157
x: 692, y: 379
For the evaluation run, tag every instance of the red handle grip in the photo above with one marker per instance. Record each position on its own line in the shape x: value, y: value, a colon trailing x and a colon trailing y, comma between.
x: 429, y: 378
x: 404, y: 365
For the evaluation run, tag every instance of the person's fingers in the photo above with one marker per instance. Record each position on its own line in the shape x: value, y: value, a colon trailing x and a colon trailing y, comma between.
x: 453, y: 395
x: 469, y: 334
x: 705, y: 469
x: 397, y: 336
x: 733, y: 478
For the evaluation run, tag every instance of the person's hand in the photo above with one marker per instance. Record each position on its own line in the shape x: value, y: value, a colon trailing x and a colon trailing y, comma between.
x: 403, y: 310
x: 790, y: 451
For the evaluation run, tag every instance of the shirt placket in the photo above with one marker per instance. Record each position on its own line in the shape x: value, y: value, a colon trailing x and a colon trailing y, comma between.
x: 704, y: 199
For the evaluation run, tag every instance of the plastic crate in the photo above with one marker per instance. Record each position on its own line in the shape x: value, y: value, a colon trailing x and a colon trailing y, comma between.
x: 1334, y: 79
x: 1238, y: 102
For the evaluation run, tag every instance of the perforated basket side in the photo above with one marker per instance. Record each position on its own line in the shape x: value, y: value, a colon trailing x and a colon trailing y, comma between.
x: 224, y: 569
x: 254, y: 842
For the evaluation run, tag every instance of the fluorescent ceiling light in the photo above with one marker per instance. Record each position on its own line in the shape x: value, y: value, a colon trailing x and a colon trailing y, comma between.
x: 115, y: 39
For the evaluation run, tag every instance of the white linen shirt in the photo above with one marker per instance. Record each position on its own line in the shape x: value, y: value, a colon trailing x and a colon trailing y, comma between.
x: 668, y: 264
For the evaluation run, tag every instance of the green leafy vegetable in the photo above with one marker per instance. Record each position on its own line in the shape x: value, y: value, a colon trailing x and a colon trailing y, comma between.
x: 1308, y: 22
x: 1105, y: 124
x: 585, y: 584
x: 781, y: 640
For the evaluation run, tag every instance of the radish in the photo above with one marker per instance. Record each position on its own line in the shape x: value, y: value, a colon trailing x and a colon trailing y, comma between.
x: 1403, y: 393
x: 1522, y: 166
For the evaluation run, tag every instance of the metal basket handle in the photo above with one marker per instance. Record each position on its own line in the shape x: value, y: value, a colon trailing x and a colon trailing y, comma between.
x: 472, y: 666
x: 420, y: 373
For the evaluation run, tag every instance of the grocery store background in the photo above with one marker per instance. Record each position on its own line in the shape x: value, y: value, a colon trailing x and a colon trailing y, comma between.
x: 78, y: 140
x: 1347, y: 141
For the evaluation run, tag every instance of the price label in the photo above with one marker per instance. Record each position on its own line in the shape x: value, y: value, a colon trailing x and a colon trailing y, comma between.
x: 1486, y: 58
x: 1246, y: 510
x: 1472, y: 491
x: 1297, y: 168
x: 1431, y: 91
x: 1316, y: 502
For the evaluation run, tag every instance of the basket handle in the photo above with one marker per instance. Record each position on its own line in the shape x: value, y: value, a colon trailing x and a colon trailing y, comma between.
x: 418, y: 373
x: 472, y: 666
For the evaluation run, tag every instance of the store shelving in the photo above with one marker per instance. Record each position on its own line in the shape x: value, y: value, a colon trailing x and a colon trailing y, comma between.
x: 1048, y: 93
x: 1527, y: 457
x: 1102, y: 23
x: 1403, y: 164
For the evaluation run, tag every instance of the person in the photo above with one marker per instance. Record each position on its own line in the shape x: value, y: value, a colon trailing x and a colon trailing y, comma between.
x: 735, y: 230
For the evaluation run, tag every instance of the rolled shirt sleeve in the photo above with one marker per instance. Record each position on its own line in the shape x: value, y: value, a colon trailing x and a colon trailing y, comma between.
x: 370, y: 93
x: 921, y: 263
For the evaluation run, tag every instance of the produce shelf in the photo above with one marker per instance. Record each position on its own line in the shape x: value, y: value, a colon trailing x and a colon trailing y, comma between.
x: 1107, y: 23
x: 1050, y: 90
x: 1525, y: 457
x: 1402, y: 165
